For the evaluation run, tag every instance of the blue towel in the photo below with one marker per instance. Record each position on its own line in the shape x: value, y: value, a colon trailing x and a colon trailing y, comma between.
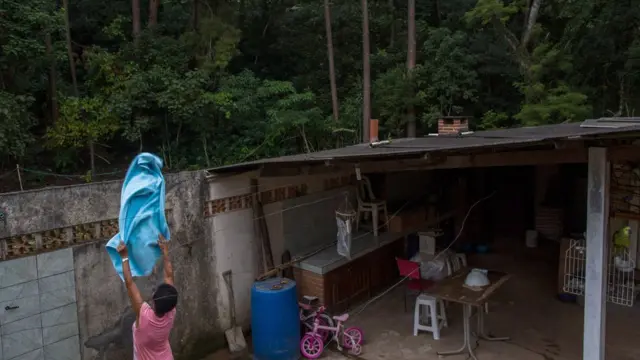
x: 142, y: 216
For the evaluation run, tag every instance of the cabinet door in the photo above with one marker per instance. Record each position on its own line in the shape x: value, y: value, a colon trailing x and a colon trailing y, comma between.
x: 337, y: 285
x: 359, y: 276
x: 383, y: 266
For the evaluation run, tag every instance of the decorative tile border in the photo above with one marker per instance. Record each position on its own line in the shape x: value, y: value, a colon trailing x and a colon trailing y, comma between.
x: 55, y: 239
x: 245, y: 201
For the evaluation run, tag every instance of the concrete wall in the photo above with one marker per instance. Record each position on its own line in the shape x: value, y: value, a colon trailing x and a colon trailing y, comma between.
x: 292, y: 210
x: 80, y: 219
x: 212, y: 225
x: 233, y: 239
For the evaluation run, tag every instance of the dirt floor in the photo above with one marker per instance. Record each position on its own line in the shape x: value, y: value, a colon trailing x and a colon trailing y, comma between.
x: 525, y: 308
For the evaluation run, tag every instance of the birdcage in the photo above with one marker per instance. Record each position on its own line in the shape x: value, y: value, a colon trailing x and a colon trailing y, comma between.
x: 621, y: 287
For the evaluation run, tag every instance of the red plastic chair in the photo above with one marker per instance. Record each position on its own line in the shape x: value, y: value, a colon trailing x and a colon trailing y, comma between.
x: 414, y: 283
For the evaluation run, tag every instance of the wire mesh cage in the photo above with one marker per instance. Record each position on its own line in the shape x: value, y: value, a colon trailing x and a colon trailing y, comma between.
x: 621, y: 287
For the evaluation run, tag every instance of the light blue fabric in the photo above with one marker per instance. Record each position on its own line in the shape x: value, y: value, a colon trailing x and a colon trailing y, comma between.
x: 142, y: 216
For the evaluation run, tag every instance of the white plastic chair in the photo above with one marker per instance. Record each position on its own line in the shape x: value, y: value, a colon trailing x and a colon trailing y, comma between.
x: 432, y: 318
x: 367, y: 203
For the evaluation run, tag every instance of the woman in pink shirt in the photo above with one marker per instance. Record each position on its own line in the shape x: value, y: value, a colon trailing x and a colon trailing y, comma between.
x: 153, y: 322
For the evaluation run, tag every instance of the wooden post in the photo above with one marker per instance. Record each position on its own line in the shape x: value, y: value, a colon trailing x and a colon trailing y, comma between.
x: 597, y: 244
x: 366, y: 76
x: 19, y: 177
x: 260, y: 225
x: 255, y: 197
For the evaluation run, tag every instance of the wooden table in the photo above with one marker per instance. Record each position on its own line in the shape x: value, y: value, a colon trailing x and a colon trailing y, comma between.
x: 452, y: 289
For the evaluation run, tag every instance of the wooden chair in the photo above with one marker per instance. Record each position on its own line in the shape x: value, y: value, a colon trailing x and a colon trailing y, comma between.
x: 367, y: 203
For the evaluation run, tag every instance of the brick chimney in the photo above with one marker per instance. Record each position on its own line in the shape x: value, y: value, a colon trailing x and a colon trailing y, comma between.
x: 452, y: 125
x: 373, y: 130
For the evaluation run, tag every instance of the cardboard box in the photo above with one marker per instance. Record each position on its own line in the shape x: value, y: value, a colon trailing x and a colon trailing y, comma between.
x: 407, y: 220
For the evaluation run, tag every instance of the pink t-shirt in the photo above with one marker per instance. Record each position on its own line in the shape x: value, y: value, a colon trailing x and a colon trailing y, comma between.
x: 151, y: 337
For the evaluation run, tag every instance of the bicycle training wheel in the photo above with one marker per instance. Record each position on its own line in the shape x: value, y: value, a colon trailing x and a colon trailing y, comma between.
x: 352, y: 336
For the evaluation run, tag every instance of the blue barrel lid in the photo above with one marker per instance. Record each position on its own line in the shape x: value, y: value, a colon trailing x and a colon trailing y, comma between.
x: 274, y: 285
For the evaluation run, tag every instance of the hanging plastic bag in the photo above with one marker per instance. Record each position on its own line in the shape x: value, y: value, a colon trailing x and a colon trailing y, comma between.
x: 344, y: 237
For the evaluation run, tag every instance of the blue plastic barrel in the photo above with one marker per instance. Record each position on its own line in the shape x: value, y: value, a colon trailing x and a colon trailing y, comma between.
x: 275, y: 323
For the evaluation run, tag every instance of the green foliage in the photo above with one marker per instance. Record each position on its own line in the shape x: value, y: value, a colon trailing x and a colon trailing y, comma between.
x: 392, y: 94
x: 494, y: 120
x: 14, y: 120
x: 83, y: 120
x: 231, y: 81
x: 23, y: 60
x: 447, y: 79
x: 487, y: 11
x: 559, y: 104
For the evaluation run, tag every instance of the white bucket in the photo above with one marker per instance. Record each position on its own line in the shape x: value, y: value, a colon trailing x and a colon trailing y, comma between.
x: 531, y: 238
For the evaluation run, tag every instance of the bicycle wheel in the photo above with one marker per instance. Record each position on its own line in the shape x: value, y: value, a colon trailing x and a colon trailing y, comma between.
x: 311, y: 346
x: 352, y: 336
x: 307, y: 324
x: 325, y: 335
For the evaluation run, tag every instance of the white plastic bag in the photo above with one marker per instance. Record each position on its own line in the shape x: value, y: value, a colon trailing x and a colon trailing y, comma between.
x: 431, y: 267
x: 344, y: 237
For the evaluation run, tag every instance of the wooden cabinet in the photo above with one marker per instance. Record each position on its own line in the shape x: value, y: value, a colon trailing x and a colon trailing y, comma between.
x: 348, y: 284
x: 354, y: 282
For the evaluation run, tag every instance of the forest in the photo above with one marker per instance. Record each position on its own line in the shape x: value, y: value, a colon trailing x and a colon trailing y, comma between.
x: 87, y: 84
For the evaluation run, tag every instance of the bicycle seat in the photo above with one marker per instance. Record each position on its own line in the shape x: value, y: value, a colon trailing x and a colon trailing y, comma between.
x: 310, y: 298
x: 305, y: 306
x: 341, y: 318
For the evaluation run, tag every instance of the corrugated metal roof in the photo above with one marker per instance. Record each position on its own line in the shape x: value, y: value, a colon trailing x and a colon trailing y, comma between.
x: 417, y: 146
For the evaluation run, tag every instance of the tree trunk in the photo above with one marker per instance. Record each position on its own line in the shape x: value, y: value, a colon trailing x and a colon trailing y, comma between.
x: 53, y: 89
x: 241, y: 15
x: 74, y: 79
x: 531, y: 19
x: 135, y: 17
x: 153, y: 13
x: 195, y: 15
x: 411, y: 64
x: 332, y: 69
x: 72, y: 62
x: 392, y: 30
x: 366, y: 76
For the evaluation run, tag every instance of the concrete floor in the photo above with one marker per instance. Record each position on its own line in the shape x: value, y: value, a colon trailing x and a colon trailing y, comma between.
x: 525, y: 308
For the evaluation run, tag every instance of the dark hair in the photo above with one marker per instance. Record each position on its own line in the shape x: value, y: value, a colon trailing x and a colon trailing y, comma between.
x: 165, y: 299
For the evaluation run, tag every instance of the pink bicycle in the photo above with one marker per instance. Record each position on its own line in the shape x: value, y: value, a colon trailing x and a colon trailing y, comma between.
x: 312, y: 344
x: 308, y: 315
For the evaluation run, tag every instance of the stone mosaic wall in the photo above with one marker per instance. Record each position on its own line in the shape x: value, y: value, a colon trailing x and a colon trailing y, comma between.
x: 88, y: 296
x: 245, y: 201
x: 33, y: 243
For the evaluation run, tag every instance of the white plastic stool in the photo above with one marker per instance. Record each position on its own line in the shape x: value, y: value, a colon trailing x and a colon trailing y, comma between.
x: 433, y: 321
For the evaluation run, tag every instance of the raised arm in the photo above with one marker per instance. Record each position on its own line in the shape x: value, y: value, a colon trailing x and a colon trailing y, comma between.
x: 132, y: 289
x: 168, y: 268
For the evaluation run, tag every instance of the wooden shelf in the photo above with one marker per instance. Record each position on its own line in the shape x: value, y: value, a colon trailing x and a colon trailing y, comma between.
x: 626, y: 215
